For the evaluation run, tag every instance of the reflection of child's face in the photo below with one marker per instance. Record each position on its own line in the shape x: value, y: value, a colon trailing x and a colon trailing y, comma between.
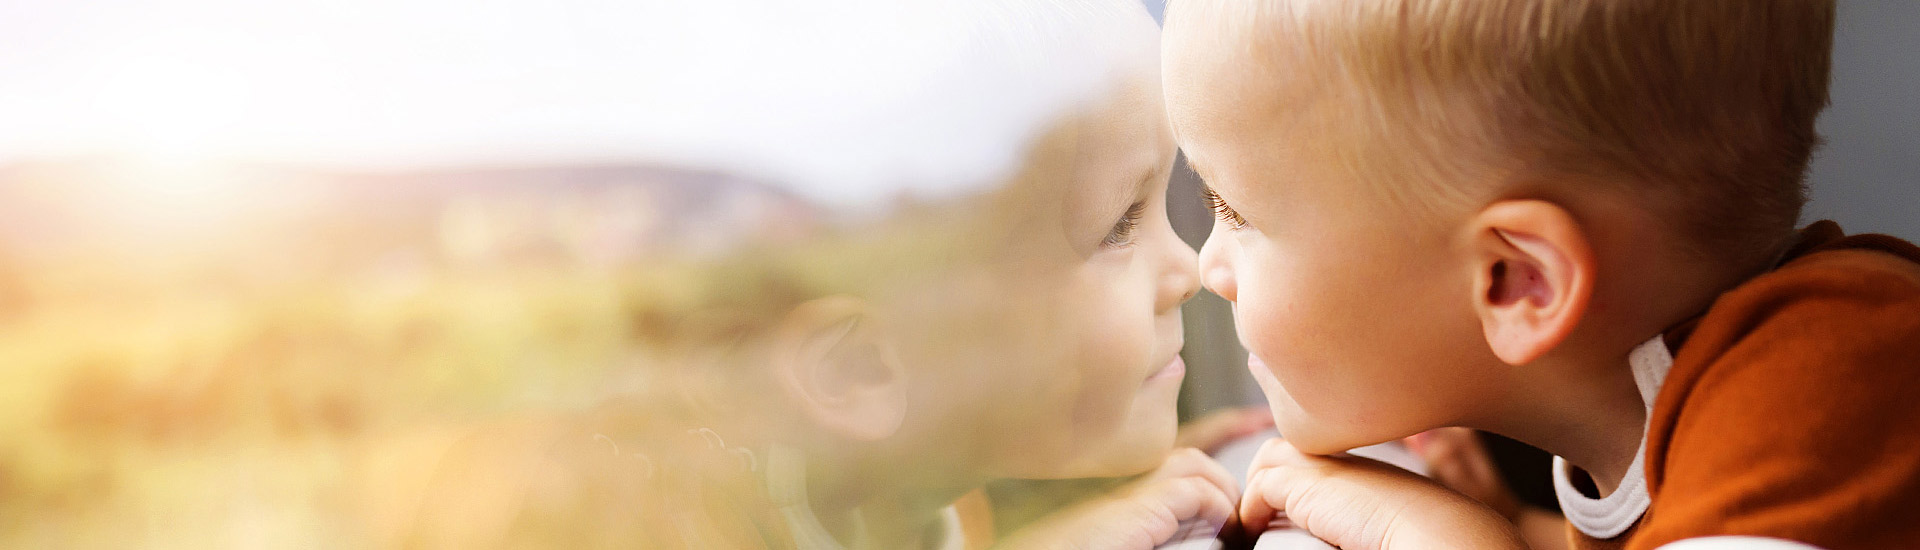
x: 1348, y: 306
x: 1127, y: 291
x: 1079, y: 373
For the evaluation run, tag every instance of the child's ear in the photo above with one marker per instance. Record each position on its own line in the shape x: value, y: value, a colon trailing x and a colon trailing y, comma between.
x: 1534, y: 277
x: 832, y: 361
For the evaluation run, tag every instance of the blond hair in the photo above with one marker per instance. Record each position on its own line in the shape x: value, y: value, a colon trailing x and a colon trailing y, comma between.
x: 1708, y: 106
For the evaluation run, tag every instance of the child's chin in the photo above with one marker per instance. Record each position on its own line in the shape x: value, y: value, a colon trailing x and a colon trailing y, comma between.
x: 1141, y: 452
x: 1313, y: 438
x: 1132, y: 464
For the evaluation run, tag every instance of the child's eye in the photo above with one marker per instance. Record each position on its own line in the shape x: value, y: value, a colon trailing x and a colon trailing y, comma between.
x: 1223, y: 212
x: 1122, y: 232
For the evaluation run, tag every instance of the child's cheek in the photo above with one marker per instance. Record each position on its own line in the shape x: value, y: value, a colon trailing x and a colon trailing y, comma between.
x: 1113, y: 354
x: 1279, y: 345
x: 1263, y: 319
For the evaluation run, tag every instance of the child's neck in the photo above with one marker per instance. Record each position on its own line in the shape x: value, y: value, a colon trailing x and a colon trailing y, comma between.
x: 1581, y: 402
x: 906, y: 520
x: 1597, y: 427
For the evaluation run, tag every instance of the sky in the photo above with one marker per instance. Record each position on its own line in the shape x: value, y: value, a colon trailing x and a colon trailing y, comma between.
x: 843, y: 100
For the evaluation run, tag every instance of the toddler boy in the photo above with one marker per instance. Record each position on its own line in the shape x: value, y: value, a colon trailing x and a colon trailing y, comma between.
x: 1571, y: 222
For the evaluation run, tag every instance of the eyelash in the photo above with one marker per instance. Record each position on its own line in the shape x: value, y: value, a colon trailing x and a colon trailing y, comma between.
x: 1225, y: 213
x: 1122, y: 232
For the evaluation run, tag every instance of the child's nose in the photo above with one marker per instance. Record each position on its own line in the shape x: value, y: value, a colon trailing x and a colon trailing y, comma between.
x: 1182, y: 279
x: 1215, y: 272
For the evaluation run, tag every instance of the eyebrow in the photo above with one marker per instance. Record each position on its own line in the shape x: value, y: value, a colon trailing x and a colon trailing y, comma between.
x: 1145, y: 180
x: 1117, y: 204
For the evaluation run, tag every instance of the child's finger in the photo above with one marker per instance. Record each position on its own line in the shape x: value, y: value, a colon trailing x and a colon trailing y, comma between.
x: 1198, y: 464
x: 1193, y: 463
x: 1170, y: 503
x: 1447, y: 444
x: 1274, y: 452
x: 1337, y: 500
x: 1263, y: 501
x: 1260, y: 504
x: 1200, y: 499
x: 1290, y: 478
x: 1458, y: 459
x: 1278, y: 452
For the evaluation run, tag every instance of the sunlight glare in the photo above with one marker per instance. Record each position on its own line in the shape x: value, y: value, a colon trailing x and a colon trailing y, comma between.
x: 174, y: 111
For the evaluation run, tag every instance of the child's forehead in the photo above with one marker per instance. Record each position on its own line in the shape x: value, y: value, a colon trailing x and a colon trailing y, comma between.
x: 1110, y: 151
x: 1228, y: 85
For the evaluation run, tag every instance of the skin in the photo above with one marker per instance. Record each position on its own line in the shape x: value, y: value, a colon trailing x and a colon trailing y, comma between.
x: 1369, y: 321
x: 1049, y: 350
x: 1456, y: 458
x: 1084, y: 372
x: 1323, y: 283
x: 1125, y: 292
x: 1053, y: 357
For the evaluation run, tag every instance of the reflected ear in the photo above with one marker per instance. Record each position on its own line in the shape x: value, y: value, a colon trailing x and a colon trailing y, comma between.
x: 832, y: 361
x: 1534, y: 277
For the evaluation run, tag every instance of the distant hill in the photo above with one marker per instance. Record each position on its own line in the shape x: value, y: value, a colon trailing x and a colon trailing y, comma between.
x: 601, y: 213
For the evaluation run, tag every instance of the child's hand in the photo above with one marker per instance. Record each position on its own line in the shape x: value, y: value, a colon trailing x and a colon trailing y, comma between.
x: 1456, y: 458
x: 1189, y: 486
x: 1361, y: 504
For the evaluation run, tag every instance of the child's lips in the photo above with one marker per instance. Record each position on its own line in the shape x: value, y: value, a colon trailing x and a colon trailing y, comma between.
x: 1175, y: 369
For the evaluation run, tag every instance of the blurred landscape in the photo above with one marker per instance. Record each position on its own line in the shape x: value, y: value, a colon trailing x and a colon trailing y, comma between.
x: 197, y: 356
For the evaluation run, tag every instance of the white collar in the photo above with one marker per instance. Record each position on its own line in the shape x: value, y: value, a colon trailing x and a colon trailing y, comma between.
x: 1609, y: 516
x: 787, y: 488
